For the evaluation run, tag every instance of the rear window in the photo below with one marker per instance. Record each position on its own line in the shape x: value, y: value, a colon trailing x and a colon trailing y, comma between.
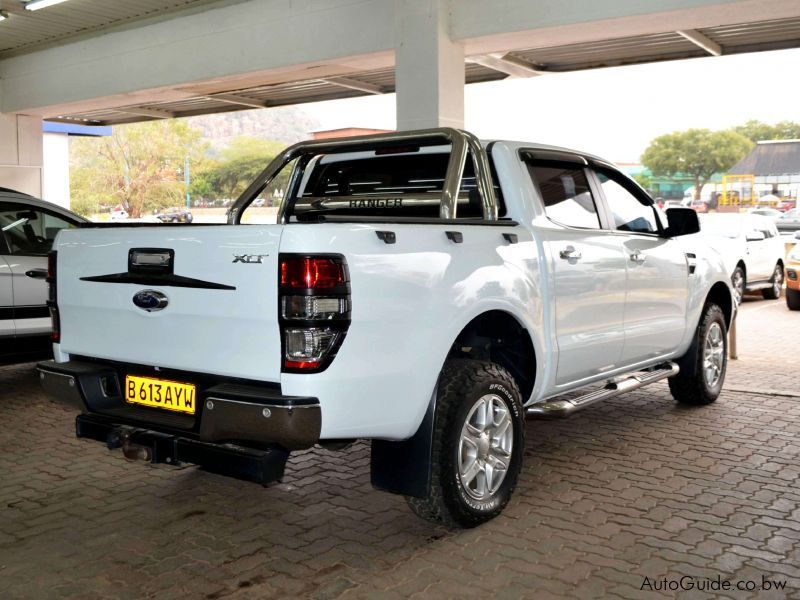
x: 408, y: 185
x: 565, y: 192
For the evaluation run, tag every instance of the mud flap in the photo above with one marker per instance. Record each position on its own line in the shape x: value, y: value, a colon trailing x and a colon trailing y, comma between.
x: 405, y: 467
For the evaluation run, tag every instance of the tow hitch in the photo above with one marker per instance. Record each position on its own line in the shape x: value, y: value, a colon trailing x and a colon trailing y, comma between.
x: 263, y: 465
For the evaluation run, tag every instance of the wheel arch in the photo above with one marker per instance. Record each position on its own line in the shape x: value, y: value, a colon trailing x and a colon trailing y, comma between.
x: 498, y: 336
x: 720, y: 294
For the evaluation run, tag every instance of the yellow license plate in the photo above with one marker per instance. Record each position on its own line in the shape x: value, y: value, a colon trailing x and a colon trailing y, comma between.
x: 158, y: 393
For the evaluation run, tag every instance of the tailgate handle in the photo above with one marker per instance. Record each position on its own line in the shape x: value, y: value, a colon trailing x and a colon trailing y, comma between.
x: 388, y: 237
x: 151, y: 260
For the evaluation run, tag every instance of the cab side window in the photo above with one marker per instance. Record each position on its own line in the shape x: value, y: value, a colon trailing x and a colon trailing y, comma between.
x: 628, y: 212
x: 564, y: 190
x: 28, y: 231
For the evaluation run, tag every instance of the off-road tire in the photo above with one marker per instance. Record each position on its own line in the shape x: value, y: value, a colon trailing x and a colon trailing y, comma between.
x: 462, y: 383
x: 690, y: 385
x: 792, y: 299
x: 774, y: 292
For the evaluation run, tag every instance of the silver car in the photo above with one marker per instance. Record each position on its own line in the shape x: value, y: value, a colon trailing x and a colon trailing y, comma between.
x: 28, y: 227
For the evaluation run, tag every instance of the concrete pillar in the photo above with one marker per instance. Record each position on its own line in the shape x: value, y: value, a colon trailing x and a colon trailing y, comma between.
x: 429, y: 66
x: 21, y: 155
x: 55, y: 170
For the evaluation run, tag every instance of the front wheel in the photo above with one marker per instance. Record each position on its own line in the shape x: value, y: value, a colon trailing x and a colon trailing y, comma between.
x: 703, y: 366
x: 478, y: 441
x: 774, y: 292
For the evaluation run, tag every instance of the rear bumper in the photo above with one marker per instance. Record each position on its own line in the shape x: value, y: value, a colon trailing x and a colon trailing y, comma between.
x: 247, y: 415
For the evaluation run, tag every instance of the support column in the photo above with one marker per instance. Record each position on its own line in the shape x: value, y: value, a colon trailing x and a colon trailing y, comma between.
x: 21, y: 156
x: 429, y: 66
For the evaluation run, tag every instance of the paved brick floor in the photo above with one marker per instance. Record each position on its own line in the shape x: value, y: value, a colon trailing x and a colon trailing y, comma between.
x: 633, y: 488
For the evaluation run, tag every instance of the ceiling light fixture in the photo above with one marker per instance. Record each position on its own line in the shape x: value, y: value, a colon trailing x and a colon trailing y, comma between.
x: 37, y: 4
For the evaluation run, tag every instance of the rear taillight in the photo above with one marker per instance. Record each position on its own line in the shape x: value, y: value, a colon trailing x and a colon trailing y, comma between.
x: 312, y: 272
x: 52, y: 298
x: 314, y: 307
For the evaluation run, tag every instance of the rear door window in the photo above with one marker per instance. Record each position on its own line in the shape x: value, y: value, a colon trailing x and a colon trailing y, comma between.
x: 564, y: 190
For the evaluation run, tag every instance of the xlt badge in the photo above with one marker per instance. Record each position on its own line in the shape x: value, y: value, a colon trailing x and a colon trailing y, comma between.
x: 249, y: 258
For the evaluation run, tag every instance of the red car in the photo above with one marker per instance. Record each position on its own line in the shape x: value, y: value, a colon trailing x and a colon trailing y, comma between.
x: 787, y: 204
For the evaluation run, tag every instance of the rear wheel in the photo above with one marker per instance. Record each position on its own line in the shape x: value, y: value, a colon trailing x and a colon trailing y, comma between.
x: 774, y: 292
x: 478, y: 441
x: 738, y: 281
x: 703, y: 366
x: 793, y: 299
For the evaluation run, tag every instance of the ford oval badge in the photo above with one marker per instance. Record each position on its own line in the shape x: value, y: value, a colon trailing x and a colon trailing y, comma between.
x: 150, y: 300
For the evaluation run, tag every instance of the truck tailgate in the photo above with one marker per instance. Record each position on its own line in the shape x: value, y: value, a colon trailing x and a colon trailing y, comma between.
x: 221, y: 310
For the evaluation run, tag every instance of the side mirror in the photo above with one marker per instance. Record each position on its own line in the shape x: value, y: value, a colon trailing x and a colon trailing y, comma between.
x: 682, y: 221
x: 756, y: 236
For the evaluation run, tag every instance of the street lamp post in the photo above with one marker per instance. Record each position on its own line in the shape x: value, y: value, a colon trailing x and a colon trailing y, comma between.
x: 187, y: 180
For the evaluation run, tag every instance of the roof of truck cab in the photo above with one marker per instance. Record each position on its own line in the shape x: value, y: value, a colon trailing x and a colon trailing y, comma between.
x: 518, y: 145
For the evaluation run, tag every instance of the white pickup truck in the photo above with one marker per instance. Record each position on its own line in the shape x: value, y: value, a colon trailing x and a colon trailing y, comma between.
x: 421, y: 290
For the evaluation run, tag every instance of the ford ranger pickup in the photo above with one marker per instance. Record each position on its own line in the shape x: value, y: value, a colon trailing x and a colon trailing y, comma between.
x: 421, y: 290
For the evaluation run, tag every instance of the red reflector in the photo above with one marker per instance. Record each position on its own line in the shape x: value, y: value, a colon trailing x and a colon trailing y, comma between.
x: 311, y: 273
x: 299, y: 364
x: 51, y: 265
x: 55, y: 334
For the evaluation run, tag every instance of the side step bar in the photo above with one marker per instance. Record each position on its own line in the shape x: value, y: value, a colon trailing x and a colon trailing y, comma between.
x: 563, y: 408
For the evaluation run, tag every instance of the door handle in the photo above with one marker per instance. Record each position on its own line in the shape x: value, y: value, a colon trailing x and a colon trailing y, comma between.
x: 638, y: 257
x: 569, y: 253
x: 37, y: 273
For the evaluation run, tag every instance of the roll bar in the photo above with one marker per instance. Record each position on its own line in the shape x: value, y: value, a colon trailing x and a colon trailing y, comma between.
x: 462, y: 142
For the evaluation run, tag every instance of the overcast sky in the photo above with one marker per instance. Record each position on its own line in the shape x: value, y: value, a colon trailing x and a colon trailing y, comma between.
x: 611, y: 112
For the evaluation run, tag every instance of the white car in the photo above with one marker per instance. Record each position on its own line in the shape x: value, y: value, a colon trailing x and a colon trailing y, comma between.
x: 28, y: 227
x: 119, y: 214
x: 420, y: 290
x: 752, y: 249
x: 771, y: 213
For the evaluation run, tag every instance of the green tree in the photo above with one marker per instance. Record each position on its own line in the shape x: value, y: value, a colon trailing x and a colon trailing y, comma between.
x: 240, y: 163
x: 696, y: 152
x: 758, y: 131
x: 139, y: 166
x: 644, y: 180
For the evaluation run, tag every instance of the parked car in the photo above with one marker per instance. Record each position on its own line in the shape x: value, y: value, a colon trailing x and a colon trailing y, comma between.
x: 406, y: 296
x: 174, y: 215
x: 787, y: 204
x: 790, y: 221
x: 793, y: 276
x: 751, y: 248
x: 118, y: 214
x: 770, y: 213
x: 28, y: 227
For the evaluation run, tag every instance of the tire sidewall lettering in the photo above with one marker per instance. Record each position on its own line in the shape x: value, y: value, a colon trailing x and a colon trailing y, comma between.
x: 501, y: 496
